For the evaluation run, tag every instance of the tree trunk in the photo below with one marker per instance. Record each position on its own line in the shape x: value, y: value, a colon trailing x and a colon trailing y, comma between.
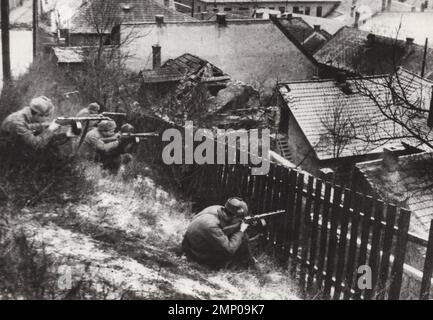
x: 7, y: 76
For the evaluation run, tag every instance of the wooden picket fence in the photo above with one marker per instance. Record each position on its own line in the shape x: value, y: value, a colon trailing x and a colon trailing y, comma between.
x: 325, y: 236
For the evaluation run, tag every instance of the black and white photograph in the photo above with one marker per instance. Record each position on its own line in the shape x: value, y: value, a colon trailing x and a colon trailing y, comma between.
x: 240, y: 151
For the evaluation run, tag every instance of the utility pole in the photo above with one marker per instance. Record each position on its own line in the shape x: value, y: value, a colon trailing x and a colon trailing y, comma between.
x: 7, y: 76
x: 35, y: 27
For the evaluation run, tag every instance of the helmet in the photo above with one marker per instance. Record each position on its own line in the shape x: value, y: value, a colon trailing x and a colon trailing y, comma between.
x: 42, y: 105
x: 236, y: 207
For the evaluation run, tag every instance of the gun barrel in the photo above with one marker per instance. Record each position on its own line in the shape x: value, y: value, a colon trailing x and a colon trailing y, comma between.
x: 264, y: 215
x: 114, y: 114
x: 80, y: 119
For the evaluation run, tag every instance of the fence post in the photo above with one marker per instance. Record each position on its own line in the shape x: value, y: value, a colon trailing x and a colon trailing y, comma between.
x: 428, y: 267
x: 397, y: 267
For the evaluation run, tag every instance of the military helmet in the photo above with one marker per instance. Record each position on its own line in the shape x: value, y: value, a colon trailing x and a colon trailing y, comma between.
x: 42, y: 106
x: 236, y: 207
x: 107, y: 125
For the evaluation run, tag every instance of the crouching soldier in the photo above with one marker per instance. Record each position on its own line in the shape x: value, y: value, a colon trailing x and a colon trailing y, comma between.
x: 207, y: 243
x: 28, y: 130
x: 103, y: 145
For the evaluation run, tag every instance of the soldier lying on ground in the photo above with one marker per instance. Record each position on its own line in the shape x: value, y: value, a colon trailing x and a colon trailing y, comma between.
x: 28, y: 132
x: 102, y: 144
x: 207, y: 243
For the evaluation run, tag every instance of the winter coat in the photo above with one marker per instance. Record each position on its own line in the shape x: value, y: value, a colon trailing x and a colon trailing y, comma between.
x: 205, y: 240
x: 94, y: 145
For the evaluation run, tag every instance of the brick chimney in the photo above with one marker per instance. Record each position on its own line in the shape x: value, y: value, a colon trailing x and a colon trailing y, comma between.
x: 317, y: 27
x: 156, y: 54
x: 159, y: 19
x: 357, y: 16
x: 409, y: 41
x: 221, y: 19
x: 389, y: 5
x: 390, y: 159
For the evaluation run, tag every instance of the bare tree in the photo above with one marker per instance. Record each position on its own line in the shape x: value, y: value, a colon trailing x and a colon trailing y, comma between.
x: 104, y: 76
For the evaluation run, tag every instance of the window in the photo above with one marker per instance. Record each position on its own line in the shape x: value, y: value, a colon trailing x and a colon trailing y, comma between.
x: 295, y: 9
x: 307, y: 11
x: 282, y: 9
x: 227, y: 9
x: 319, y: 11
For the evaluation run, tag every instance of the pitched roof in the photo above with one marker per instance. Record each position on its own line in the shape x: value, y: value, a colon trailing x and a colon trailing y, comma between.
x: 349, y: 49
x: 410, y: 185
x: 280, y: 1
x: 76, y: 55
x: 139, y: 11
x: 185, y: 65
x: 322, y: 107
x: 329, y: 25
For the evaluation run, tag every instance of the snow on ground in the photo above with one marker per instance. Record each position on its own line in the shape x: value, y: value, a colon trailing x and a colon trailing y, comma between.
x: 124, y: 238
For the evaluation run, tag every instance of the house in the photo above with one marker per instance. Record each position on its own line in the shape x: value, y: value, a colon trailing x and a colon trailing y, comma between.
x: 360, y: 52
x: 251, y: 51
x: 319, y: 8
x: 405, y: 181
x: 163, y: 79
x: 84, y: 30
x: 401, y: 25
x: 310, y: 37
x: 335, y: 123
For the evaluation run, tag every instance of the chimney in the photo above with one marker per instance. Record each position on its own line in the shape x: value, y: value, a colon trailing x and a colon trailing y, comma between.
x: 316, y: 27
x: 389, y: 5
x: 202, y: 15
x: 352, y: 10
x: 409, y: 41
x: 156, y: 53
x: 422, y: 7
x: 413, y: 9
x: 430, y: 114
x: 221, y: 19
x: 357, y: 16
x: 341, y: 78
x: 272, y: 16
x: 370, y: 39
x: 390, y: 159
x: 383, y: 5
x: 159, y: 19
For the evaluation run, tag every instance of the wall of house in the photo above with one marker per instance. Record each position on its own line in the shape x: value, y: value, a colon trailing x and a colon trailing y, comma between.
x: 320, y: 9
x: 252, y: 51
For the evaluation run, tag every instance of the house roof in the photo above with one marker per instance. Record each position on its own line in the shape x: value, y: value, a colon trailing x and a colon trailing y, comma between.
x: 139, y: 11
x: 185, y: 65
x: 349, y: 49
x: 331, y: 26
x: 410, y: 185
x: 401, y: 25
x: 75, y: 55
x: 326, y: 110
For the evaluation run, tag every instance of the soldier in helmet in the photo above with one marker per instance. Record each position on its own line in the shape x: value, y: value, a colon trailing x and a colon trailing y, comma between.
x: 206, y: 242
x: 28, y: 127
x: 103, y: 144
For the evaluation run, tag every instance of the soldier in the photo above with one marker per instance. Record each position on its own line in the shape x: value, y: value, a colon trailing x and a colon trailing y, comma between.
x: 207, y: 242
x: 28, y: 129
x: 102, y: 144
x: 92, y: 109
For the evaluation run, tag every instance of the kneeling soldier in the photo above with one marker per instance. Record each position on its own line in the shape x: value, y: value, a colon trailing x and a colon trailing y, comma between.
x: 207, y: 242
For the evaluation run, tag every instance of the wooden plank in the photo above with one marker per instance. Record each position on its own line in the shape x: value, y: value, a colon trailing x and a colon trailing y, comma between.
x: 351, y: 268
x: 365, y: 235
x: 290, y: 209
x: 285, y: 190
x: 400, y: 253
x: 324, y: 234
x: 267, y: 207
x: 277, y: 205
x: 333, y: 241
x: 391, y: 213
x: 374, y: 258
x: 314, y: 233
x: 428, y: 267
x: 306, y: 234
x: 297, y: 225
x: 342, y: 243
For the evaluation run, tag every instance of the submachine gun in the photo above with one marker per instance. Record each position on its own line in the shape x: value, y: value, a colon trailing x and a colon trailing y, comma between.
x: 132, y: 137
x: 254, y: 221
